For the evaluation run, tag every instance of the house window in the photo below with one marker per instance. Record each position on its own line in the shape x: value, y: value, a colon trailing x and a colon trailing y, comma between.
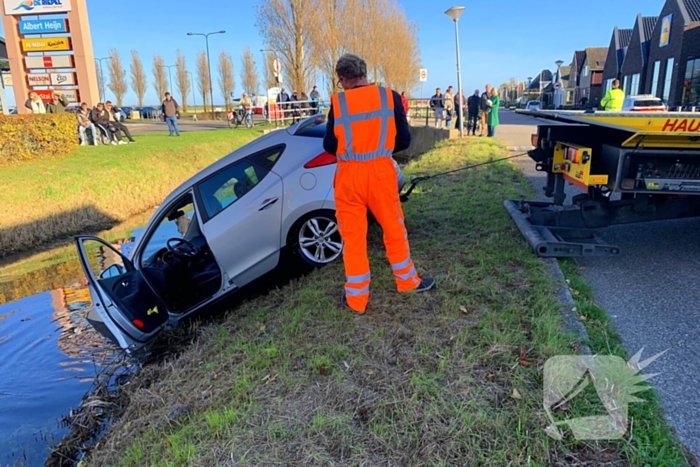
x: 691, y: 83
x: 655, y: 79
x: 634, y: 84
x: 625, y: 84
x: 585, y: 70
x: 607, y: 86
x: 667, y: 82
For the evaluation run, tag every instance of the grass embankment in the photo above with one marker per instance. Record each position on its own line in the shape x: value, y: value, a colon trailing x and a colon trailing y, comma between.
x: 97, y: 187
x: 453, y: 377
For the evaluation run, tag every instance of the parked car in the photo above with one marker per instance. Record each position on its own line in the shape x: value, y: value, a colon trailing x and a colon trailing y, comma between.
x: 534, y: 105
x: 126, y: 112
x: 221, y: 229
x: 643, y: 103
x: 148, y: 112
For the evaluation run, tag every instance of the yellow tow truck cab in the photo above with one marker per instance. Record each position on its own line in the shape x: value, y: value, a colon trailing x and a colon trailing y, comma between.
x: 630, y: 166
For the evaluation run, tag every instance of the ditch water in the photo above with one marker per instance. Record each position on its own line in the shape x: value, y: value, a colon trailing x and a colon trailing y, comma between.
x: 49, y: 354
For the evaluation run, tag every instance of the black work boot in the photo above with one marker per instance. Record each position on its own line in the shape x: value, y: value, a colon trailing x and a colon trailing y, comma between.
x: 426, y: 284
x: 344, y: 301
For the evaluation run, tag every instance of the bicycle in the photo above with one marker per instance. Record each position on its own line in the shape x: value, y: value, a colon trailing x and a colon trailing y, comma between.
x: 246, y: 119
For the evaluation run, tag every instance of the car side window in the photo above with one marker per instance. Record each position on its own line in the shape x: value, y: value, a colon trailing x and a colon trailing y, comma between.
x: 267, y: 158
x: 228, y: 186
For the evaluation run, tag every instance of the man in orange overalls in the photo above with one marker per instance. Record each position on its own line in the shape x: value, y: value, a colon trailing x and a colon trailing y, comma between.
x: 366, y: 125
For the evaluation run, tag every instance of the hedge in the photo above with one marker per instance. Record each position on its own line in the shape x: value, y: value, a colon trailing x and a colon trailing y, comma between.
x: 37, y: 136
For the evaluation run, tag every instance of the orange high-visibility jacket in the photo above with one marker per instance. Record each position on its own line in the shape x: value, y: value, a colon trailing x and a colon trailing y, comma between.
x: 364, y: 123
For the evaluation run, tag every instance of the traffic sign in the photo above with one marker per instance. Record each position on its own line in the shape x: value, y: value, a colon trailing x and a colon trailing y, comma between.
x: 557, y: 85
x: 424, y: 74
x: 276, y: 65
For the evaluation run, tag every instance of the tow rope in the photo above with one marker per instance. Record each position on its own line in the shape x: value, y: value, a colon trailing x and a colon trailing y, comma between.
x: 416, y: 180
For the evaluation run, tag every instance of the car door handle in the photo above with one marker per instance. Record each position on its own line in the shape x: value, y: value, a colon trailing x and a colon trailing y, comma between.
x: 267, y: 203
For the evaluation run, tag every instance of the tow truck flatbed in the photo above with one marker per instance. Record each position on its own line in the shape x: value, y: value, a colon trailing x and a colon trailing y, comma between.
x: 632, y: 167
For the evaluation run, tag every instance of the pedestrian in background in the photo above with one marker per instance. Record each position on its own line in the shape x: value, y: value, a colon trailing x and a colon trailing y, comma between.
x: 473, y: 106
x: 171, y: 110
x: 35, y: 104
x: 406, y: 108
x: 437, y: 104
x: 449, y: 106
x: 58, y: 104
x: 315, y: 98
x: 485, y: 109
x: 460, y: 105
x: 492, y: 118
x: 115, y: 120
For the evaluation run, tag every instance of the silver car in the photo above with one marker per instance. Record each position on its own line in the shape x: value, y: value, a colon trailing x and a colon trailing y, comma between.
x: 223, y: 228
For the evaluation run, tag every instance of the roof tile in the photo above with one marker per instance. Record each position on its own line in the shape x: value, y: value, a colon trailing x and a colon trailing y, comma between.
x: 693, y: 7
x: 648, y: 23
x: 596, y: 57
x: 625, y: 36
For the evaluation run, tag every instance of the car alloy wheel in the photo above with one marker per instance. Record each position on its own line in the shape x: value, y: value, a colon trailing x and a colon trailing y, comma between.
x: 319, y: 240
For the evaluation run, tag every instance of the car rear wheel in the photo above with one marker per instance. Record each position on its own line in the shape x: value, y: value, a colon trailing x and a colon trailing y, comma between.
x: 315, y: 238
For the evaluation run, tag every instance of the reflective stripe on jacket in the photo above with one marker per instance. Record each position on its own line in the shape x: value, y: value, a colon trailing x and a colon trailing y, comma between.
x: 613, y: 100
x: 364, y: 123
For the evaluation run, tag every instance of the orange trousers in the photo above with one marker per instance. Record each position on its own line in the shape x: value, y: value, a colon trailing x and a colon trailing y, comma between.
x: 371, y: 184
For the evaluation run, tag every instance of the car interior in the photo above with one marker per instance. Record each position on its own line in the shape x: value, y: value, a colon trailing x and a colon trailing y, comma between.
x: 177, y: 262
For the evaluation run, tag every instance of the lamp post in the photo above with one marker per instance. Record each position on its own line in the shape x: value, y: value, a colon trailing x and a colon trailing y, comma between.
x: 559, y: 91
x: 206, y: 38
x: 102, y: 78
x: 454, y: 14
x: 529, y: 80
x: 170, y: 76
x: 194, y: 100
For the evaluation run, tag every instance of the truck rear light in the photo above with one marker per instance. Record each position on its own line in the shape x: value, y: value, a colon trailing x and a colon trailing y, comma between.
x: 535, y: 140
x: 322, y: 159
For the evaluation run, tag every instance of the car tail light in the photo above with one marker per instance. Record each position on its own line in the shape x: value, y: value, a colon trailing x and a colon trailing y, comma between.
x: 319, y: 161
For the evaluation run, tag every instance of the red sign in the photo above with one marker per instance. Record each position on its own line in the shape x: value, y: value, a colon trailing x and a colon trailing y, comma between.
x: 47, y: 94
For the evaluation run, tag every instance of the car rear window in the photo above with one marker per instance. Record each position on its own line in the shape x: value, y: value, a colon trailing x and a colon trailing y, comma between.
x: 647, y: 103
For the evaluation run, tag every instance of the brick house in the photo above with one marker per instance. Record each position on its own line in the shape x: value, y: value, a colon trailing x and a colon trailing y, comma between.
x: 619, y: 42
x: 574, y: 74
x: 634, y: 69
x: 675, y: 48
x: 591, y: 78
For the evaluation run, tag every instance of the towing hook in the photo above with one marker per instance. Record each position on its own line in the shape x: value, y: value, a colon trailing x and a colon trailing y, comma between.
x: 414, y: 183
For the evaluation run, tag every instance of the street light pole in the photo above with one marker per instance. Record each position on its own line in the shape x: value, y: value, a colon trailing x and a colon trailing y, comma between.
x: 454, y: 13
x: 194, y: 100
x: 102, y: 78
x: 211, y: 85
x: 559, y: 91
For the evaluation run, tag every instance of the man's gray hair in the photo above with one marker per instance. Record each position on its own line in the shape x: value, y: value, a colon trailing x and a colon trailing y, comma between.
x: 351, y: 67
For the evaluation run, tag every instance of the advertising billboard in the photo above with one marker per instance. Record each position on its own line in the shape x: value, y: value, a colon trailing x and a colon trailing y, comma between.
x: 43, y: 26
x: 49, y: 61
x: 63, y: 79
x: 47, y: 94
x: 665, y: 38
x: 39, y: 79
x: 46, y: 44
x: 36, y: 7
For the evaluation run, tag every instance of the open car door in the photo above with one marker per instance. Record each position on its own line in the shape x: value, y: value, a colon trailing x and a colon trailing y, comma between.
x: 124, y: 308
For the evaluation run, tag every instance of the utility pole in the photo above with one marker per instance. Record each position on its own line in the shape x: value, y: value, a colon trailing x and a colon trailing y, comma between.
x: 211, y: 85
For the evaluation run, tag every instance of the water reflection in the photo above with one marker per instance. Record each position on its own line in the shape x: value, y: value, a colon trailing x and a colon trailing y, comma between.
x: 49, y: 355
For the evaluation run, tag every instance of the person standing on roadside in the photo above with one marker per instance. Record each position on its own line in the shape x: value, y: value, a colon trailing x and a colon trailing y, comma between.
x: 282, y: 101
x: 485, y: 109
x: 460, y: 105
x: 171, y: 111
x: 315, y: 97
x: 473, y: 106
x: 58, y: 103
x: 613, y: 99
x: 406, y: 108
x: 366, y: 125
x: 437, y: 103
x: 492, y: 119
x: 449, y: 100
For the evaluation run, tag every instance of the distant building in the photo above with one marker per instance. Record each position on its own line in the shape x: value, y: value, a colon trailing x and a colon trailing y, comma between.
x: 619, y: 42
x: 674, y: 56
x: 575, y: 74
x: 562, y: 96
x: 633, y: 73
x: 591, y: 79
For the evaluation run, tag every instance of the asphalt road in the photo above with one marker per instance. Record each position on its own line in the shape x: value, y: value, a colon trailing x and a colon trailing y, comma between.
x: 651, y: 291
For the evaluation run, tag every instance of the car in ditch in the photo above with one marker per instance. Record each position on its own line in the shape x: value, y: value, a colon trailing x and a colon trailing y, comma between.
x: 220, y: 230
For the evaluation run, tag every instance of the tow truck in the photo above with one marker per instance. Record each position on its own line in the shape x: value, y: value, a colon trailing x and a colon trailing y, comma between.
x: 631, y: 167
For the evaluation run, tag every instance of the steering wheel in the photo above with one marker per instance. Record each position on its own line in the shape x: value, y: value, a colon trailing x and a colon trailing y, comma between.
x: 174, y: 246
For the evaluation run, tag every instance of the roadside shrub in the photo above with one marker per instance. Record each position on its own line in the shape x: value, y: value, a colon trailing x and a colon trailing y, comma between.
x: 42, y: 136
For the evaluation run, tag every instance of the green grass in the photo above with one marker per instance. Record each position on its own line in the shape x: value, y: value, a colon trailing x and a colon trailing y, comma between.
x: 98, y: 187
x: 293, y: 378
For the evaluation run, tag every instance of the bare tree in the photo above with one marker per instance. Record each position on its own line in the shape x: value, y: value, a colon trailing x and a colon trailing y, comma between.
x: 183, y: 79
x: 160, y: 79
x: 227, y: 82
x: 117, y: 77
x: 328, y: 40
x: 249, y: 74
x: 395, y: 56
x: 203, y: 77
x: 139, y: 83
x: 286, y: 26
x: 100, y: 81
x: 270, y: 80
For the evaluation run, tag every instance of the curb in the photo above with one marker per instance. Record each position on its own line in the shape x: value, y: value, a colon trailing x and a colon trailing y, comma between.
x: 566, y: 300
x: 520, y: 148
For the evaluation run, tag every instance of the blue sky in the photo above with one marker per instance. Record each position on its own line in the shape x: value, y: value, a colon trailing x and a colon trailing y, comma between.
x: 499, y: 39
